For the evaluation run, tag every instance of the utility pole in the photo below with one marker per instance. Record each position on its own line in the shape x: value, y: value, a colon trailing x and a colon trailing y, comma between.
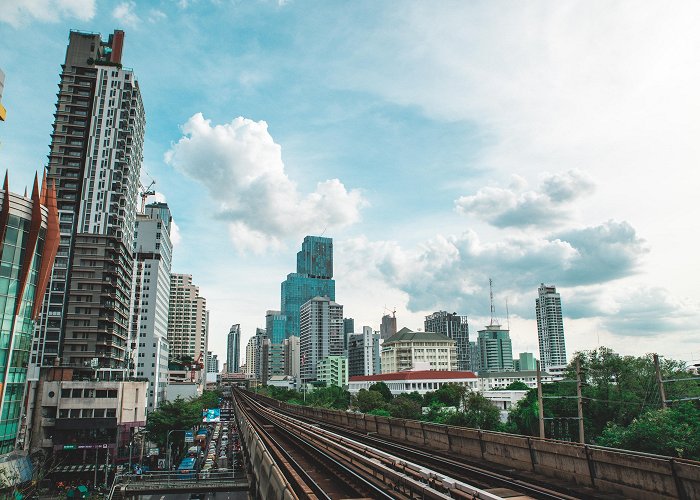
x: 540, y: 408
x: 659, y: 380
x: 580, y: 401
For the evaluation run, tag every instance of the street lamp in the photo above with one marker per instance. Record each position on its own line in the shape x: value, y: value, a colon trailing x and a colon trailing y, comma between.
x: 167, y: 444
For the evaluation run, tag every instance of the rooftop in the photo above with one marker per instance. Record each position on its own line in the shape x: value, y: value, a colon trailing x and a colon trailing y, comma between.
x: 406, y: 335
x: 415, y: 375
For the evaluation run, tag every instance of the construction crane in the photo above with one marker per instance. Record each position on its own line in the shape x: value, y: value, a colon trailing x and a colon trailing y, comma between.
x: 145, y: 193
x: 196, y: 366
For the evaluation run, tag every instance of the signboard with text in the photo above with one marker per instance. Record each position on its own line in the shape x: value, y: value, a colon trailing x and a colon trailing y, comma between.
x: 189, y: 437
x: 211, y: 415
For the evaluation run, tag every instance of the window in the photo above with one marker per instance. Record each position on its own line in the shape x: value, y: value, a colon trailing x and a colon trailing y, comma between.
x: 101, y: 393
x: 111, y: 412
x: 65, y: 393
x: 99, y: 413
x: 77, y: 393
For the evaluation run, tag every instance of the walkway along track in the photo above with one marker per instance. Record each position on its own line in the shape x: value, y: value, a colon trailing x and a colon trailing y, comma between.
x: 481, y: 476
x: 364, y: 471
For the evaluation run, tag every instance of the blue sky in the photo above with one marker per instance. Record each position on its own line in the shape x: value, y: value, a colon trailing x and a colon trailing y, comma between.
x: 438, y: 145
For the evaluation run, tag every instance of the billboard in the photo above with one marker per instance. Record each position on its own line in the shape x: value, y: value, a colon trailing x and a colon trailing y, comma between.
x: 211, y: 415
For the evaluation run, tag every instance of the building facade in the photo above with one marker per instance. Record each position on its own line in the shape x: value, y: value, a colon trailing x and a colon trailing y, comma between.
x: 292, y: 358
x: 364, y: 354
x: 526, y: 361
x: 275, y: 323
x: 314, y: 278
x: 187, y: 319
x: 409, y: 350
x: 250, y: 349
x: 28, y: 244
x: 333, y: 370
x: 322, y: 334
x: 455, y: 327
x: 95, y: 161
x: 233, y: 349
x: 550, y: 327
x: 387, y: 328
x: 420, y: 381
x: 150, y: 349
x: 495, y: 349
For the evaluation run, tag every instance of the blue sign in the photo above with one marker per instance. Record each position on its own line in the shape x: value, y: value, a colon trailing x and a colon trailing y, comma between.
x: 189, y: 437
x: 211, y: 415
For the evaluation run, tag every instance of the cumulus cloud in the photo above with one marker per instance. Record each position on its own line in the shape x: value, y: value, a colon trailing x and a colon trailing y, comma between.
x: 125, y: 13
x: 514, y: 206
x: 20, y: 12
x: 453, y: 272
x: 241, y: 167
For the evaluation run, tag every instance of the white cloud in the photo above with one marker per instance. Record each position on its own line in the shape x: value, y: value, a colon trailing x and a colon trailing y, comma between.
x: 20, y: 12
x: 125, y: 13
x: 175, y: 234
x: 155, y: 15
x: 515, y: 207
x: 241, y: 167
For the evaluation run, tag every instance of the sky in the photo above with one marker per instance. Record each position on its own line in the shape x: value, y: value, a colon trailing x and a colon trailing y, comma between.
x: 438, y: 144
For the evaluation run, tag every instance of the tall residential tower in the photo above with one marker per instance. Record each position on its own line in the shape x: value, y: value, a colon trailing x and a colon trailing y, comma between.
x: 233, y: 349
x: 550, y: 327
x: 455, y: 327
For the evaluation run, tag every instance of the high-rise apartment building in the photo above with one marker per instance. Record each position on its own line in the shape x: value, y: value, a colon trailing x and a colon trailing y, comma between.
x: 550, y: 327
x: 250, y: 349
x: 322, y: 334
x: 292, y: 357
x: 212, y: 362
x: 95, y: 161
x: 364, y: 356
x: 261, y: 358
x: 455, y: 327
x: 28, y: 245
x: 187, y: 319
x: 314, y: 278
x: 388, y: 327
x: 233, y: 349
x: 150, y: 350
x: 495, y: 349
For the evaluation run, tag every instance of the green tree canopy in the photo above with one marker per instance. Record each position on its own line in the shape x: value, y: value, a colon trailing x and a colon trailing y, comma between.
x: 333, y: 397
x: 369, y: 400
x: 405, y: 407
x: 382, y: 389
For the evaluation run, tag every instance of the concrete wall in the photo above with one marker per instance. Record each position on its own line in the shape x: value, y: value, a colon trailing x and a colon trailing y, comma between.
x: 635, y: 475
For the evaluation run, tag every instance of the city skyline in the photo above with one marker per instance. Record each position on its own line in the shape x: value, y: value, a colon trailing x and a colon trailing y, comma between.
x: 562, y: 179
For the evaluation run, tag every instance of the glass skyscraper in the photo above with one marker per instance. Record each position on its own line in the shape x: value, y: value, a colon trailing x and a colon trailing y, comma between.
x: 314, y: 278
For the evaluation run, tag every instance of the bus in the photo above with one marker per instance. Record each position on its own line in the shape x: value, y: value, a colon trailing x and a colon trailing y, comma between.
x: 186, y: 469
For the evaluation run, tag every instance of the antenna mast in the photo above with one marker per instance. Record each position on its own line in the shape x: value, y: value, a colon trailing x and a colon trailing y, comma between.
x: 507, y: 315
x: 493, y: 309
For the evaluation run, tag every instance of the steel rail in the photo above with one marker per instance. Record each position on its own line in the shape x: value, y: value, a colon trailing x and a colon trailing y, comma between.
x: 444, y: 463
x: 418, y: 479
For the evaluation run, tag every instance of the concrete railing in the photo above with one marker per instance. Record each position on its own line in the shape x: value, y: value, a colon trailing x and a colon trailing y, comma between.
x: 635, y: 475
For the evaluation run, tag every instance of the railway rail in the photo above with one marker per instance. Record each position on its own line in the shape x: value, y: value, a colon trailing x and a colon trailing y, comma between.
x: 319, y: 463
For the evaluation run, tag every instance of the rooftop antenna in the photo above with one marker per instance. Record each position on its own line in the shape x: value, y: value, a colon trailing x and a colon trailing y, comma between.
x: 493, y: 309
x: 507, y: 315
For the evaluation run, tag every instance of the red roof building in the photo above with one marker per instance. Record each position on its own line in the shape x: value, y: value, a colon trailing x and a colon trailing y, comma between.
x: 421, y: 381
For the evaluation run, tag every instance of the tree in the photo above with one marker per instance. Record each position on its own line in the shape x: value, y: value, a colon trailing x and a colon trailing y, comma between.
x: 333, y: 397
x: 382, y: 389
x: 448, y: 395
x: 170, y: 415
x: 404, y: 406
x: 369, y: 400
x: 672, y: 431
x: 517, y: 386
x: 479, y: 413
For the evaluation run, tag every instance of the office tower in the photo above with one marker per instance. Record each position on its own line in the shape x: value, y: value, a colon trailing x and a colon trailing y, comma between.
x: 550, y: 327
x: 526, y: 362
x: 3, y: 111
x: 95, y: 161
x: 455, y: 327
x: 150, y: 350
x: 274, y: 325
x: 348, y: 325
x: 233, y: 349
x: 292, y: 358
x: 495, y: 349
x: 212, y: 362
x: 250, y: 349
x: 187, y: 319
x: 314, y: 278
x: 388, y: 327
x: 363, y: 353
x: 474, y: 357
x: 261, y: 359
x: 28, y: 244
x: 321, y: 322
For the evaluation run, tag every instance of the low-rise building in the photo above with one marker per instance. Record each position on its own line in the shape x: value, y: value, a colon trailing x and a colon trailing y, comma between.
x: 333, y: 370
x: 404, y: 350
x: 504, y: 400
x: 500, y: 380
x: 420, y: 381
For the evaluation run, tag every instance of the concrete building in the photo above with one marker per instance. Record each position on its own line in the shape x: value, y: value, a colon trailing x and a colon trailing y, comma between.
x: 81, y: 419
x: 421, y: 381
x: 526, y: 361
x: 292, y: 357
x: 28, y: 245
x: 500, y: 380
x: 364, y: 353
x: 387, y: 328
x: 550, y: 327
x: 333, y: 370
x: 250, y: 349
x: 187, y: 320
x: 95, y: 161
x: 150, y: 350
x: 455, y: 327
x: 233, y: 349
x: 495, y: 349
x: 322, y: 328
x: 314, y: 278
x: 474, y: 356
x: 504, y: 401
x: 212, y: 362
x: 407, y: 349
